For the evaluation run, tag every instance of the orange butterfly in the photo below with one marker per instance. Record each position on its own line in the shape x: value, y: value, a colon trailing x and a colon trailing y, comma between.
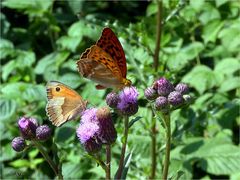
x: 105, y: 62
x: 63, y: 104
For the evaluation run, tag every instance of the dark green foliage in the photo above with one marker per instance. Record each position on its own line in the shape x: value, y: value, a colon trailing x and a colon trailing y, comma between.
x: 42, y: 40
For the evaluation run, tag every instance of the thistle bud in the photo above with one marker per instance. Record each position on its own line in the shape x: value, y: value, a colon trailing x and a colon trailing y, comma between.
x: 161, y: 104
x: 182, y: 88
x: 175, y: 98
x: 112, y: 99
x: 18, y: 144
x: 150, y: 93
x: 27, y: 127
x: 43, y: 132
x: 107, y: 132
x: 163, y: 86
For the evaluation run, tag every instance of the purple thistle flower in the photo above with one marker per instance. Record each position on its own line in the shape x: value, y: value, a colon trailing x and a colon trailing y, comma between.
x: 150, y: 93
x: 88, y: 130
x: 128, y: 101
x: 18, y: 144
x: 87, y: 133
x: 182, y: 88
x: 175, y: 98
x: 161, y: 104
x: 89, y: 115
x: 112, y: 99
x: 163, y: 86
x: 107, y: 132
x: 43, y: 132
x: 27, y: 127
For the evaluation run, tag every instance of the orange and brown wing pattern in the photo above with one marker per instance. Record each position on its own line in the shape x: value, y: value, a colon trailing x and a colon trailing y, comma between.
x: 111, y: 45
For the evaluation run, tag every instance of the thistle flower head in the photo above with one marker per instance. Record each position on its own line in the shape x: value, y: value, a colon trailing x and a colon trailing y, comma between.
x: 18, y: 144
x: 175, y: 98
x: 182, y: 88
x: 27, y: 127
x: 128, y: 101
x: 112, y: 99
x: 163, y: 86
x: 87, y: 134
x: 150, y: 93
x: 43, y: 132
x: 107, y: 132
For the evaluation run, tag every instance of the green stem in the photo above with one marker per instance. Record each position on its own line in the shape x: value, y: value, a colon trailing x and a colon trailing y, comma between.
x: 108, y: 162
x: 99, y: 161
x: 168, y: 146
x: 156, y: 63
x: 159, y: 32
x: 48, y: 159
x: 124, y: 145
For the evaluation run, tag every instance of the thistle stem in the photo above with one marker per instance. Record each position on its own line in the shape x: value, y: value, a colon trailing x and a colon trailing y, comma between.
x: 108, y: 162
x: 168, y: 146
x: 48, y: 159
x: 124, y: 145
x: 155, y: 63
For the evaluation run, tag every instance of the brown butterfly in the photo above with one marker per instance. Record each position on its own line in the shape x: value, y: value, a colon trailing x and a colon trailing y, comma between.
x: 105, y: 62
x: 64, y: 103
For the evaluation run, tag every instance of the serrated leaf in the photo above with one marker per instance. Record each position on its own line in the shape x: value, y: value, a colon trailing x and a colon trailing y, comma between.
x: 201, y: 78
x: 220, y: 159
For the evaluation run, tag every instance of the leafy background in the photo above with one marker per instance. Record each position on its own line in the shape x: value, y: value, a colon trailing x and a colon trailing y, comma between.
x: 42, y: 40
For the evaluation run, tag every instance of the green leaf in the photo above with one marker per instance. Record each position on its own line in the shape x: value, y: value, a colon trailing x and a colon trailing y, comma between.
x: 230, y: 84
x: 152, y: 9
x: 64, y: 134
x: 71, y: 79
x: 230, y: 36
x: 180, y: 59
x: 221, y: 2
x: 220, y: 159
x: 7, y: 108
x: 201, y: 78
x: 25, y: 59
x: 8, y: 69
x: 210, y: 13
x: 6, y: 48
x: 69, y: 43
x: 71, y: 170
x: 227, y: 66
x: 211, y: 30
x: 51, y: 60
x: 133, y: 121
x: 20, y: 163
x: 32, y: 7
x: 197, y: 5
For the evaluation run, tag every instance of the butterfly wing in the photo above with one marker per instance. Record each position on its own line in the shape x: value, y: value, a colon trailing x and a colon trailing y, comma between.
x: 63, y: 104
x: 97, y: 65
x: 110, y: 44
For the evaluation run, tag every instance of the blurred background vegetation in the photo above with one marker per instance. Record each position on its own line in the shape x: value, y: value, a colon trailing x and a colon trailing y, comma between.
x: 200, y: 45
